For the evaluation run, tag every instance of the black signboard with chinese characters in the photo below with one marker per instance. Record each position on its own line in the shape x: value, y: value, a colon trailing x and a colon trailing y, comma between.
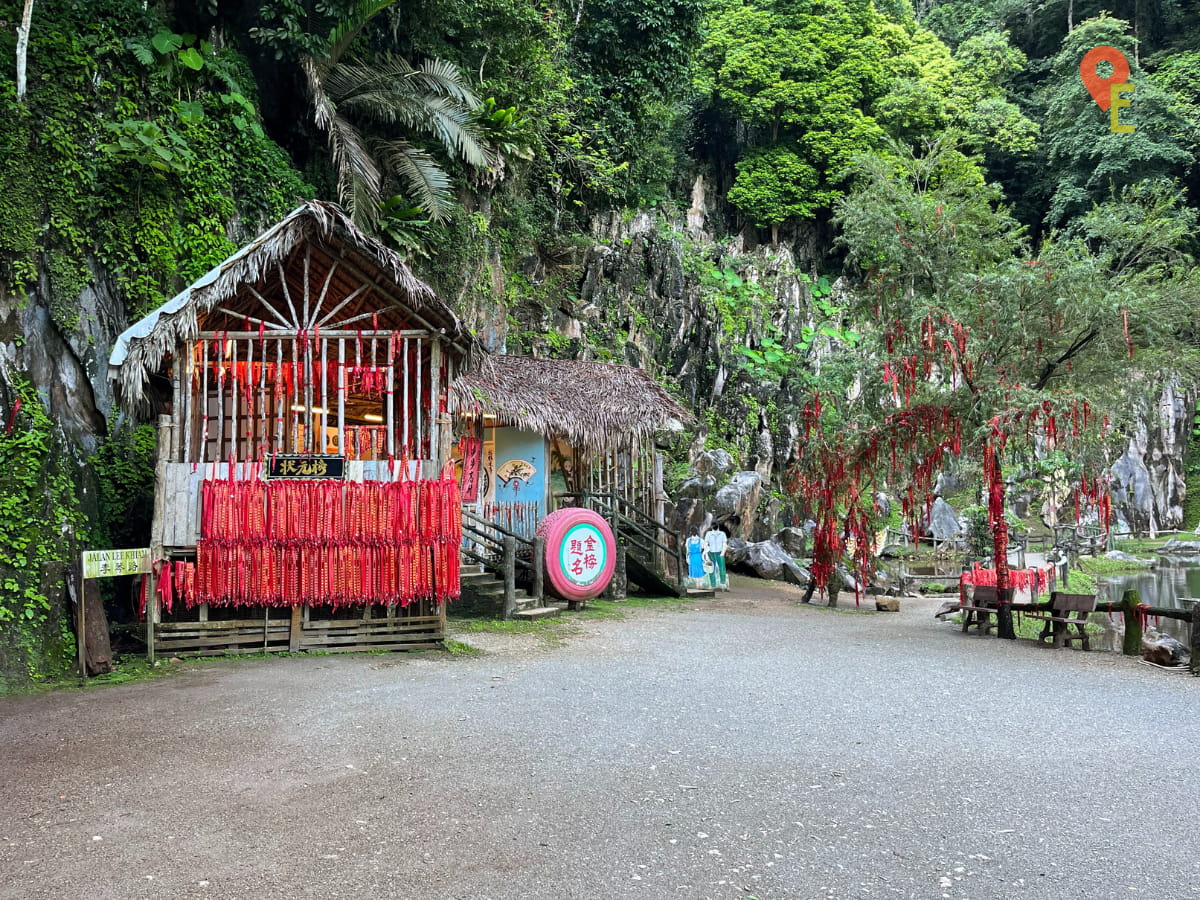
x: 307, y: 467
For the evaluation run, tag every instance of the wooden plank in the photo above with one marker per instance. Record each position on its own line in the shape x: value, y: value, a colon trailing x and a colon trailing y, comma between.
x: 294, y: 634
x: 373, y: 624
x: 351, y: 642
x: 225, y: 623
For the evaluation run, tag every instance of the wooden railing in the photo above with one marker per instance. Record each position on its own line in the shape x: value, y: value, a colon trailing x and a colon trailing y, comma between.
x: 502, y: 551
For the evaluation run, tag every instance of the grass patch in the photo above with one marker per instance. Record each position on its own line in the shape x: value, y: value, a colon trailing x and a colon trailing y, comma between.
x: 1140, y: 545
x: 1101, y: 565
x: 459, y: 648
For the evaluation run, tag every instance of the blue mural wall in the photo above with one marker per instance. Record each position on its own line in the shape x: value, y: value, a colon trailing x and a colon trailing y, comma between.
x: 520, y: 478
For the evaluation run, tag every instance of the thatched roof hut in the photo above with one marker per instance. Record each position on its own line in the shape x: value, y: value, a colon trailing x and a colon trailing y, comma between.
x: 592, y: 404
x: 235, y: 284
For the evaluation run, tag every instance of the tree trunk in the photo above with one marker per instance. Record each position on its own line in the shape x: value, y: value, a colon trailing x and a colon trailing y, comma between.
x: 23, y: 48
x: 995, y: 473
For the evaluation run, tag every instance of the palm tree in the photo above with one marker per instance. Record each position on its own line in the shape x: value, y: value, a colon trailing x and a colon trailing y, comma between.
x: 399, y: 99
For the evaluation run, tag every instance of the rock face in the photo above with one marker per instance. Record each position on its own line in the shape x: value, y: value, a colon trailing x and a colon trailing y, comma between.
x: 707, y: 470
x: 1149, y: 479
x: 943, y: 523
x: 766, y: 559
x: 735, y: 504
x: 793, y: 540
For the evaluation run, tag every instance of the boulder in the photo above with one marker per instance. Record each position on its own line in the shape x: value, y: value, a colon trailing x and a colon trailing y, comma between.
x: 736, y: 502
x: 1163, y: 650
x: 713, y: 463
x: 1121, y: 556
x: 765, y: 559
x: 1180, y: 548
x: 943, y: 523
x: 687, y: 513
x: 791, y: 539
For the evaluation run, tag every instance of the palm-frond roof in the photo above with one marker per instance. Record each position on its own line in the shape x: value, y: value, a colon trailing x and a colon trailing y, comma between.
x: 139, y: 351
x: 594, y: 404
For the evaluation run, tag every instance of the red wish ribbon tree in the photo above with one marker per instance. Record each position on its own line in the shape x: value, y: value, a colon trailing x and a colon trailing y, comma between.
x: 982, y: 351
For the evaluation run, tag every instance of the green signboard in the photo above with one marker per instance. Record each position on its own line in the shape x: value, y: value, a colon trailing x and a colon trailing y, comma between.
x: 107, y: 563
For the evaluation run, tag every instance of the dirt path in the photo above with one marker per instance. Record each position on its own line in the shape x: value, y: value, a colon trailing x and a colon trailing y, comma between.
x: 736, y: 748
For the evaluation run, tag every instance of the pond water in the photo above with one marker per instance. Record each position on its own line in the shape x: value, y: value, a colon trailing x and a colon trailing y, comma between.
x: 1173, y: 579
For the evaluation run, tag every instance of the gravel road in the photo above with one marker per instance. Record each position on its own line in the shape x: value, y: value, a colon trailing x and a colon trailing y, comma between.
x: 746, y: 747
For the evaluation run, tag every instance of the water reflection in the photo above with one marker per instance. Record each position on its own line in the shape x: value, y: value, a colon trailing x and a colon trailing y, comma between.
x: 1174, y: 579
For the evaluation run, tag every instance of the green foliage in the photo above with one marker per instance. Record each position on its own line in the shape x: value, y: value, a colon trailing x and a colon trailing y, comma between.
x: 1086, y: 161
x: 39, y: 520
x: 124, y: 465
x: 143, y: 158
x: 812, y: 85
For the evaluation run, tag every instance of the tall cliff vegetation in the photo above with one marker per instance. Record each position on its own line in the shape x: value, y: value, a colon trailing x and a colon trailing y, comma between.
x: 704, y: 187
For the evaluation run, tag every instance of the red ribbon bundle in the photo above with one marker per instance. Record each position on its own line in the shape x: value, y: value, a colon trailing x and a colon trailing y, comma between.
x: 327, y: 542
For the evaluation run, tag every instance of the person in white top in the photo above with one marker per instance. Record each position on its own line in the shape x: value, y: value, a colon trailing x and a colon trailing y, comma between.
x: 715, y: 542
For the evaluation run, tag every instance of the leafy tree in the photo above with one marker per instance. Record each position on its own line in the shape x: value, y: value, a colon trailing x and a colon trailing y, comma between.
x: 1085, y: 161
x: 379, y: 112
x: 982, y: 346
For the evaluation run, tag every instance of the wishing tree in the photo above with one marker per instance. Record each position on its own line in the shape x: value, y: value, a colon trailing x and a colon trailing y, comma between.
x: 980, y: 347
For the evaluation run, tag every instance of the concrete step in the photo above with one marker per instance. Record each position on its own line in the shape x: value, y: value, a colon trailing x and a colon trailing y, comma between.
x: 539, y: 612
x: 701, y: 593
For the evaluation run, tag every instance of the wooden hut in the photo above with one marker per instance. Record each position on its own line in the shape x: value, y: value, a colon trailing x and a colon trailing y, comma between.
x: 540, y: 434
x: 302, y: 392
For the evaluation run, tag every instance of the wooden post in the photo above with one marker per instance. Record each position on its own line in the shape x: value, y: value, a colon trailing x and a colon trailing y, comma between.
x: 538, y: 561
x: 1131, y: 645
x: 294, y: 632
x: 618, y: 588
x: 509, y: 565
x: 157, y: 528
x: 1194, y: 665
x: 81, y: 608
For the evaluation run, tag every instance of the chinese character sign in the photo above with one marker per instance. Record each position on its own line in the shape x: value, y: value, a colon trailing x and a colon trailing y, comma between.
x: 583, y: 554
x: 108, y: 563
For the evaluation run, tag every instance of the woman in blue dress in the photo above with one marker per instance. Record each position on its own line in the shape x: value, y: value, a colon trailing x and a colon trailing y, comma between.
x: 695, y: 551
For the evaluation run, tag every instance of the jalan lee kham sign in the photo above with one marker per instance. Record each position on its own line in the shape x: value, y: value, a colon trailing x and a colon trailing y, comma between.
x: 109, y: 563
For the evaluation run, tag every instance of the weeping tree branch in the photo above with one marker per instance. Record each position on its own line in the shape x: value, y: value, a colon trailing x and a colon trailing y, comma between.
x: 1077, y: 347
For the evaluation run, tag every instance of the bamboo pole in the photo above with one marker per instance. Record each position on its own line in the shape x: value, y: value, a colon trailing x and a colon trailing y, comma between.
x: 435, y: 419
x: 324, y: 392
x: 405, y: 413
x: 157, y: 527
x: 190, y: 408
x: 341, y: 400
x: 420, y: 434
x: 220, y: 373
x: 281, y: 401
x: 203, y: 439
x: 233, y: 400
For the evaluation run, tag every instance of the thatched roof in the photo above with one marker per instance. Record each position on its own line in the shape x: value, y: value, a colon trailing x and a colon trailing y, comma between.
x: 590, y: 403
x: 139, y: 350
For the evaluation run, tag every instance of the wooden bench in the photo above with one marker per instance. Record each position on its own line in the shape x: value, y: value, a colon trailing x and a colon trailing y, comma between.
x: 979, y: 609
x: 1066, y: 610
